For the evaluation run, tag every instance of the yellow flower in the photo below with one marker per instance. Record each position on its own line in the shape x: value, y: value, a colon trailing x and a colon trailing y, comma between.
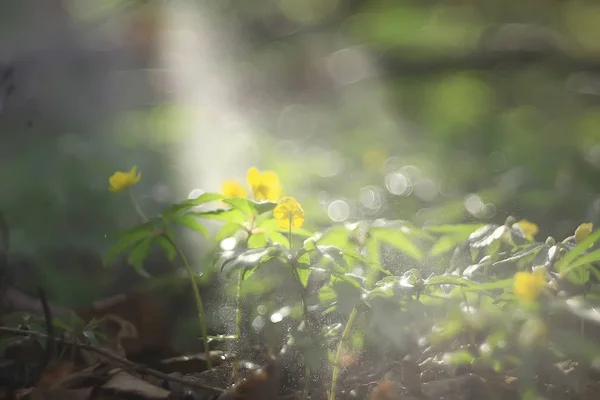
x: 233, y: 188
x: 583, y: 231
x: 528, y: 286
x: 528, y: 228
x: 122, y: 180
x: 289, y: 213
x: 264, y: 186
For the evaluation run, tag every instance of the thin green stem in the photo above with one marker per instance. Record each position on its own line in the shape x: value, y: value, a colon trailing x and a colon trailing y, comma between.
x: 238, y: 321
x: 340, y: 351
x: 290, y: 232
x: 238, y: 311
x: 199, y: 305
x: 306, y: 326
x: 136, y: 206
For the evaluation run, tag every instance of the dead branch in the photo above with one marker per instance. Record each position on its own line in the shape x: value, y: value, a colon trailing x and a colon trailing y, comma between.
x: 118, y: 359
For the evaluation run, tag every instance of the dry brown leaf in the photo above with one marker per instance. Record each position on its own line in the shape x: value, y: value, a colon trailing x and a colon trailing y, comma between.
x: 55, y: 373
x: 124, y: 382
x: 143, y: 312
x: 258, y: 385
x: 385, y: 390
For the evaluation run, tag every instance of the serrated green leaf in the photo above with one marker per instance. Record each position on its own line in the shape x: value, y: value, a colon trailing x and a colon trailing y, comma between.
x: 335, y: 236
x: 398, y: 240
x: 126, y: 242
x: 303, y: 274
x: 149, y: 226
x: 571, y: 255
x: 228, y: 230
x: 334, y: 255
x: 168, y: 247
x: 257, y: 240
x: 277, y: 237
x: 482, y: 287
x: 190, y: 222
x: 270, y: 224
x: 244, y: 205
x: 228, y: 215
x: 138, y: 254
x: 262, y: 207
x: 449, y: 280
x: 250, y: 259
x: 365, y: 260
x: 190, y: 203
x: 448, y: 242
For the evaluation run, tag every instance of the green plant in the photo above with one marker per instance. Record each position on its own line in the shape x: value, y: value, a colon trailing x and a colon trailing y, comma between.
x: 480, y: 296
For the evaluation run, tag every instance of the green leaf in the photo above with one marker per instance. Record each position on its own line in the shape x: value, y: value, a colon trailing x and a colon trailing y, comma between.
x: 335, y: 236
x: 190, y: 203
x: 448, y: 242
x: 149, y: 226
x: 228, y: 230
x: 571, y: 255
x: 334, y: 255
x: 584, y: 260
x: 483, y: 287
x: 249, y: 259
x: 138, y: 254
x: 449, y: 280
x: 249, y: 207
x: 264, y: 206
x: 132, y: 238
x: 228, y: 215
x: 190, y: 222
x: 270, y: 225
x: 168, y: 246
x: 244, y: 205
x: 257, y: 240
x: 459, y: 357
x: 304, y: 274
x: 365, y: 260
x: 221, y: 338
x: 277, y: 237
x: 398, y: 240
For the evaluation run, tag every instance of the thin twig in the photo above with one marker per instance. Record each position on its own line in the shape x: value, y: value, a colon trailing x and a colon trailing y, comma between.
x: 117, y: 358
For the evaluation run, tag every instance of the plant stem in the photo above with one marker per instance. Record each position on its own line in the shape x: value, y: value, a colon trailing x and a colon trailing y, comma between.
x: 340, y: 351
x: 136, y: 206
x: 199, y: 305
x: 238, y: 321
x: 306, y: 325
x: 238, y: 311
x: 304, y: 311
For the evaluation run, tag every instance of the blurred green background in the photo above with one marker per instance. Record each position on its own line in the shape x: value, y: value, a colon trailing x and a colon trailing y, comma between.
x: 430, y: 111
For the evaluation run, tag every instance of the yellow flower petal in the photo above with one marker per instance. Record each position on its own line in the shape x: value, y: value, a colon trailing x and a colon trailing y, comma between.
x: 528, y: 228
x: 528, y: 286
x: 583, y: 231
x: 233, y: 188
x: 121, y: 180
x: 264, y: 186
x: 269, y: 178
x: 253, y: 177
x: 289, y: 213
